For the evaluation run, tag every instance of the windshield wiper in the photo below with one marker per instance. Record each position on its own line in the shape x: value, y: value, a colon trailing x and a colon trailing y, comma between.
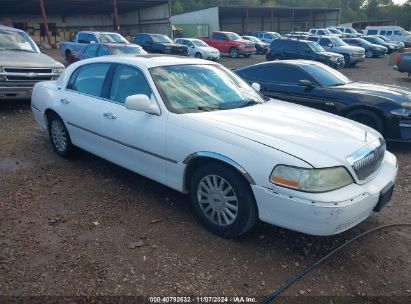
x: 19, y: 50
x: 249, y: 103
x: 209, y: 108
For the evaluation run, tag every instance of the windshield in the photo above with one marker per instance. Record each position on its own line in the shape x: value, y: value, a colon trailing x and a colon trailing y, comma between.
x: 384, y: 38
x: 161, y: 38
x: 115, y: 50
x: 377, y: 39
x: 316, y: 47
x: 113, y: 38
x: 17, y: 41
x: 326, y: 76
x: 199, y: 88
x: 199, y: 43
x: 233, y: 36
x: 253, y: 39
x: 363, y: 41
x: 337, y: 41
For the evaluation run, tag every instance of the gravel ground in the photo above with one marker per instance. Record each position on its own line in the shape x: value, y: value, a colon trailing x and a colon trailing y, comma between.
x: 85, y: 227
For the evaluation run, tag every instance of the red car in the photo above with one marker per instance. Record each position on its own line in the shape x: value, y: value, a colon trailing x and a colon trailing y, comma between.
x: 103, y: 49
x: 230, y: 43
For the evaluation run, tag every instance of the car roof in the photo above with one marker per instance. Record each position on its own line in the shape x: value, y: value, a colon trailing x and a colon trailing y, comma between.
x: 295, y: 62
x: 96, y: 32
x: 9, y: 28
x: 150, y: 60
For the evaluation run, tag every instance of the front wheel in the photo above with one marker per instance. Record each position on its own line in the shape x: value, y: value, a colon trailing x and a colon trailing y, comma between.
x: 198, y: 55
x: 347, y: 60
x: 369, y: 53
x: 223, y: 200
x: 59, y: 136
x: 233, y: 52
x: 367, y: 118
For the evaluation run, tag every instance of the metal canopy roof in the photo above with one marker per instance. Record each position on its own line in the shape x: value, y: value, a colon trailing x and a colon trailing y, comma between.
x: 278, y: 11
x: 72, y: 7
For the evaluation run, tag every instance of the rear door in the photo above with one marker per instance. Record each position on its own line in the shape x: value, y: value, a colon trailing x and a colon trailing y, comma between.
x: 219, y: 41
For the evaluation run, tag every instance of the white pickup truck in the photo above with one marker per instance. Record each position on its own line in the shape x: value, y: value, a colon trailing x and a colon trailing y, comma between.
x: 83, y: 38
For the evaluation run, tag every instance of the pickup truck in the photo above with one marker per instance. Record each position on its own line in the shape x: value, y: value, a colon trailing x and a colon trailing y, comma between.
x: 230, y: 43
x: 84, y: 38
x: 403, y: 63
x: 22, y: 64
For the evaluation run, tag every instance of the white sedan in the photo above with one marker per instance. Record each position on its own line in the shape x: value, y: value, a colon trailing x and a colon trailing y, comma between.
x: 196, y: 127
x: 199, y: 49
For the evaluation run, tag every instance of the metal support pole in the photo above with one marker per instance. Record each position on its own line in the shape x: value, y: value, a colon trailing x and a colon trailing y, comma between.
x: 272, y: 19
x: 326, y: 18
x: 116, y: 22
x: 246, y: 22
x: 46, y: 25
x: 293, y: 20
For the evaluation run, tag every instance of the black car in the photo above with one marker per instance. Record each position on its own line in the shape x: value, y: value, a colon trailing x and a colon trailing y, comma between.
x: 157, y: 43
x: 284, y: 48
x: 391, y: 47
x: 371, y: 50
x: 261, y: 47
x: 382, y: 107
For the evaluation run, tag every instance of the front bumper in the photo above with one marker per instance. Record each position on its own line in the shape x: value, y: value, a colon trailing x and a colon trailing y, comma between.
x: 324, y: 213
x: 357, y: 58
x: 247, y: 51
x: 20, y: 92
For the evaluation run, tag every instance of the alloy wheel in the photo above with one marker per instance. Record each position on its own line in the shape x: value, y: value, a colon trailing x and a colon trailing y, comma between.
x: 58, y: 135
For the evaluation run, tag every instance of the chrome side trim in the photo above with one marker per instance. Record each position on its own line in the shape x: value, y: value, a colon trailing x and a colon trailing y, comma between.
x: 124, y: 144
x: 222, y: 158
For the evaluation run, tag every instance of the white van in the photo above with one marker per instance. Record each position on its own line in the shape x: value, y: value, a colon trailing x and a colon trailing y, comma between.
x: 396, y: 33
x: 348, y: 31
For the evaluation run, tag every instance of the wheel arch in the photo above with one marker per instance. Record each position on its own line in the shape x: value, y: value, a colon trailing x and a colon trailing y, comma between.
x: 197, y: 159
x: 48, y: 113
x: 374, y: 110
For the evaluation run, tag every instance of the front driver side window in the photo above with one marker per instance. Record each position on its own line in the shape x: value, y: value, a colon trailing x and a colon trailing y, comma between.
x: 128, y: 81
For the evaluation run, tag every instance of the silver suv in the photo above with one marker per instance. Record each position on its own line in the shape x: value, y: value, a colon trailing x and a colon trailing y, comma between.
x: 22, y: 64
x: 352, y: 54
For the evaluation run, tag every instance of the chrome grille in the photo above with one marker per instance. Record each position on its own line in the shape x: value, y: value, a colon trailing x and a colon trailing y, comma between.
x: 368, y: 159
x: 28, y: 70
x: 17, y: 74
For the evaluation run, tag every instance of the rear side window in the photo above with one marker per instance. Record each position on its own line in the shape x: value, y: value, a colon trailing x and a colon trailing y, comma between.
x: 325, y: 42
x: 89, y: 79
x: 383, y: 33
x: 397, y: 33
x: 389, y: 33
x: 372, y: 32
x: 147, y: 39
x: 219, y: 36
x: 128, y: 81
x: 283, y: 74
x: 137, y: 38
x: 82, y: 38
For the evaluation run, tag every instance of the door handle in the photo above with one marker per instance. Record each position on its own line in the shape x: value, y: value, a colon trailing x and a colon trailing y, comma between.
x: 64, y: 100
x: 109, y: 115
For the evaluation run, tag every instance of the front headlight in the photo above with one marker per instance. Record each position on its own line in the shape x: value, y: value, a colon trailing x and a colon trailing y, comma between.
x: 58, y: 70
x: 334, y: 58
x: 242, y: 46
x: 311, y: 180
x: 401, y: 112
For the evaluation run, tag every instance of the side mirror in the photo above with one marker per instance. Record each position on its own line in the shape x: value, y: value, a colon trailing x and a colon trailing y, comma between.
x: 305, y: 83
x: 141, y: 103
x: 330, y: 45
x: 92, y: 42
x: 256, y: 86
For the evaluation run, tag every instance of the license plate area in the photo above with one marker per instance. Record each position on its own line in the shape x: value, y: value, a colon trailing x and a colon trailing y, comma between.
x: 385, y: 197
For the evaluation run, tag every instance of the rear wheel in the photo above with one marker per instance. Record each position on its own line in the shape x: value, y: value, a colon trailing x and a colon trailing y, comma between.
x: 367, y: 118
x: 223, y: 200
x: 233, y: 52
x: 59, y: 136
x: 198, y: 55
x: 67, y: 53
x: 369, y: 53
x: 347, y: 61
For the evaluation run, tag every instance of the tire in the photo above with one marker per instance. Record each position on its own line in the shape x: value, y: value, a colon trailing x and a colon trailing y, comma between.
x: 59, y: 136
x: 369, y: 54
x: 347, y: 61
x: 210, y: 186
x: 367, y: 118
x: 233, y: 52
x: 67, y: 53
x: 198, y: 55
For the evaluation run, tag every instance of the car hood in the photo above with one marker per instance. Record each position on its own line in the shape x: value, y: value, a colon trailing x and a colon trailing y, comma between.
x: 379, y: 47
x: 394, y: 93
x: 27, y: 60
x: 330, y: 54
x: 350, y: 48
x: 172, y: 44
x: 208, y: 48
x: 318, y: 138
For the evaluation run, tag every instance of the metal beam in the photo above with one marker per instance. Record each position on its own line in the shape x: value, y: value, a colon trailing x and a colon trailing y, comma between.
x: 116, y: 22
x: 45, y: 21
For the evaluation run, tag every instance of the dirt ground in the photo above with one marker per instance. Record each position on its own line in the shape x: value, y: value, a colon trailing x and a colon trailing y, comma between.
x: 85, y: 227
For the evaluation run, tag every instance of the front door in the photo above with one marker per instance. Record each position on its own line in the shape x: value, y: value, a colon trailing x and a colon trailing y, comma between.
x: 132, y: 139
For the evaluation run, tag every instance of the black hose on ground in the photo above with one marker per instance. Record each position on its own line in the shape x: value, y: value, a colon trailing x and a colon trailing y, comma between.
x: 299, y: 275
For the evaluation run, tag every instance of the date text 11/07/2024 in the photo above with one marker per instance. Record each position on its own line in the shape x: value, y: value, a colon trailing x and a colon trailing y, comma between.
x: 182, y: 299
